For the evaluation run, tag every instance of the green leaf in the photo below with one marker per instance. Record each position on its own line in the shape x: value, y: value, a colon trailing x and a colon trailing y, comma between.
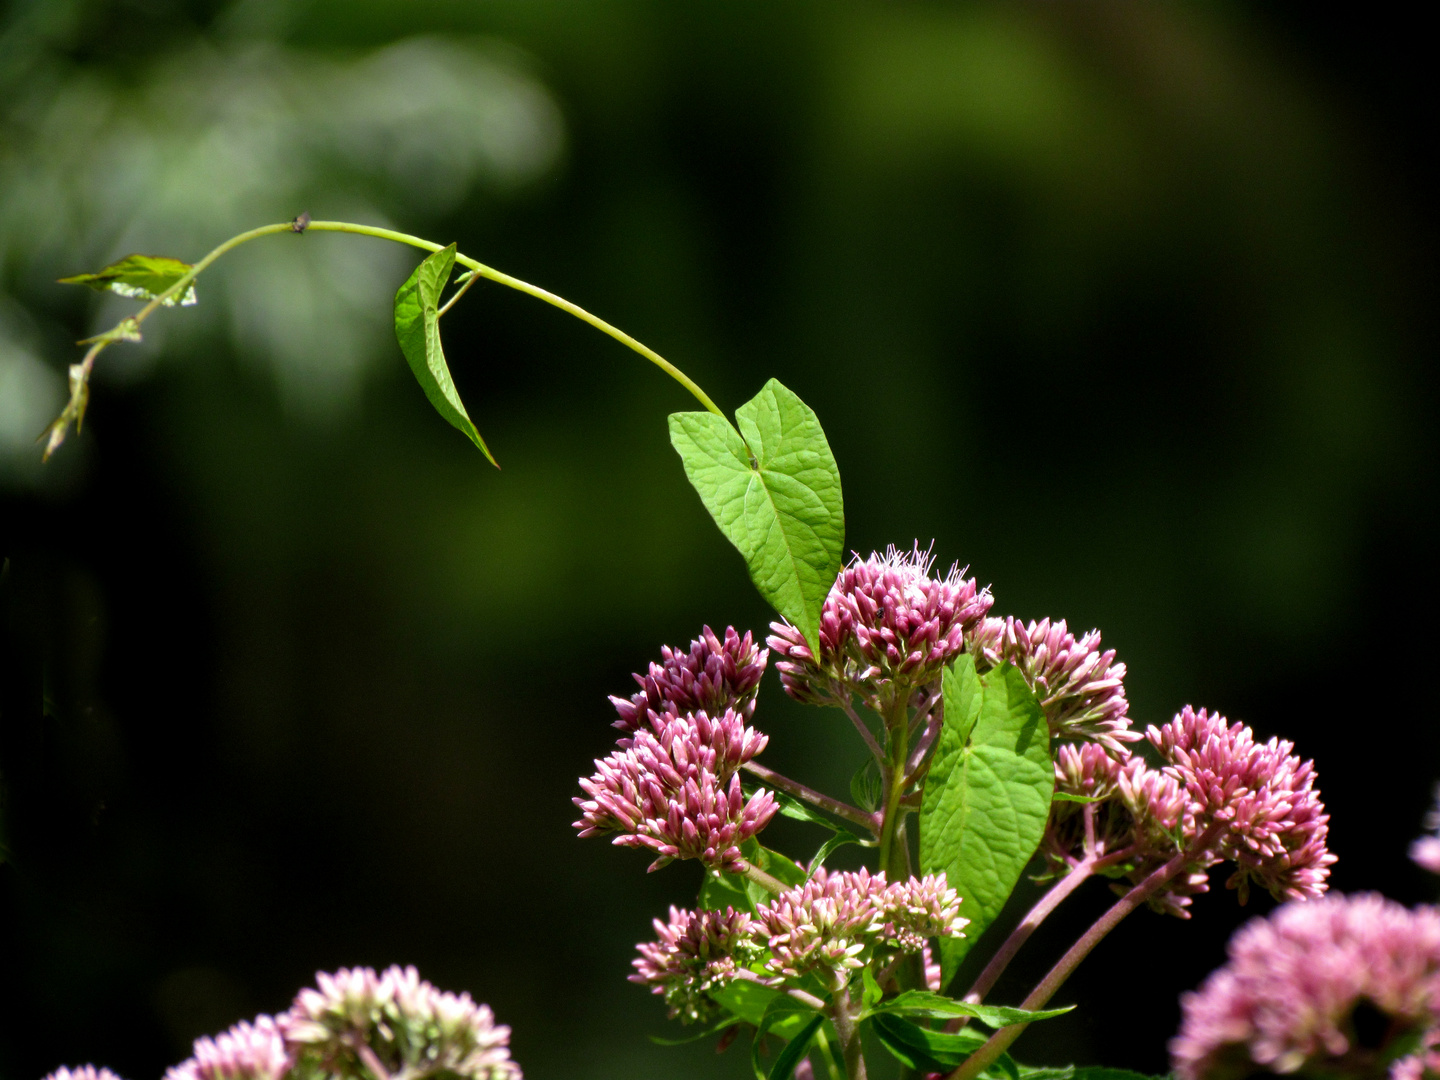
x: 721, y: 889
x: 1100, y: 1072
x: 417, y: 328
x: 866, y: 787
x: 1047, y: 1072
x: 745, y: 999
x: 987, y: 795
x: 775, y: 493
x: 782, y: 868
x: 840, y: 839
x: 782, y: 1009
x: 926, y: 1003
x: 1065, y: 796
x: 795, y: 1049
x: 922, y: 1049
x: 139, y: 277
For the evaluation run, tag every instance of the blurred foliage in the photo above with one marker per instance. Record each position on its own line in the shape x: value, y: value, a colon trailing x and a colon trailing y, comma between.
x: 1128, y: 307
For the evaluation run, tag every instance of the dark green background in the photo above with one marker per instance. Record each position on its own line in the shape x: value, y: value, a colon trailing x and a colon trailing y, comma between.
x: 1129, y: 307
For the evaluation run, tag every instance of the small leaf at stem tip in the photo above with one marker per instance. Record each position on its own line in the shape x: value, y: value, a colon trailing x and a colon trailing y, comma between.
x: 1065, y: 796
x: 139, y: 277
x: 987, y: 796
x: 774, y: 490
x: 927, y: 1003
x: 417, y: 328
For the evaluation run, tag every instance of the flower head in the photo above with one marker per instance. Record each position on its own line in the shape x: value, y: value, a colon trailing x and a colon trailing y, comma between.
x: 1301, y: 991
x: 1141, y: 818
x: 714, y: 676
x: 82, y: 1072
x: 824, y: 925
x: 1081, y: 689
x: 695, y: 953
x: 399, y: 1020
x: 676, y: 792
x: 245, y: 1052
x: 886, y: 627
x: 918, y: 909
x: 1274, y: 824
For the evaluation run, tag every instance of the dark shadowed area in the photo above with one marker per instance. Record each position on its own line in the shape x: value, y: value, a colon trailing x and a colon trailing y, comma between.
x: 1129, y: 307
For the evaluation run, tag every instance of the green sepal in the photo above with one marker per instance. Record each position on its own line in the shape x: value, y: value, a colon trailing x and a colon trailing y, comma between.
x: 139, y: 277
x: 417, y: 328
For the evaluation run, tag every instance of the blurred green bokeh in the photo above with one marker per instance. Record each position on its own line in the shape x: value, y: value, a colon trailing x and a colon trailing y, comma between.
x: 1129, y: 307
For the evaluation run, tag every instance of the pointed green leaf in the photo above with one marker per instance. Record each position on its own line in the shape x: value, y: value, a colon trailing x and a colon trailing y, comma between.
x: 987, y: 795
x: 775, y: 493
x: 787, y: 1018
x: 1065, y: 796
x: 713, y: 1029
x: 926, y: 1003
x: 417, y: 327
x: 1100, y: 1072
x: 140, y: 277
x: 924, y: 1050
x: 795, y: 1049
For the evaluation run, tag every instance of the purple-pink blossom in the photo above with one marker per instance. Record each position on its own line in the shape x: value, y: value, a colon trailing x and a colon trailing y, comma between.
x: 886, y: 628
x: 1286, y: 1000
x: 1081, y: 689
x: 82, y: 1072
x: 675, y: 791
x: 248, y: 1051
x: 1141, y: 820
x: 402, y: 1023
x: 1274, y: 826
x: 715, y: 675
x: 694, y: 953
x: 827, y: 924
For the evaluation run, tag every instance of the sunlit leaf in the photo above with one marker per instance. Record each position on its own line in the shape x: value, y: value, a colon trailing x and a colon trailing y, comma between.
x: 927, y: 1003
x: 140, y: 277
x: 775, y: 493
x: 417, y: 327
x: 987, y: 795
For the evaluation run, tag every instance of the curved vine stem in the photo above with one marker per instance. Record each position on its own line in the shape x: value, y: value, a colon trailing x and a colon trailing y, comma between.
x: 128, y: 329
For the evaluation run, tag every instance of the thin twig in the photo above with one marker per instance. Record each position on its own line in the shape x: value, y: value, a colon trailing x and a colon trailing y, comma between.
x: 863, y: 728
x: 852, y: 814
x: 998, y: 1043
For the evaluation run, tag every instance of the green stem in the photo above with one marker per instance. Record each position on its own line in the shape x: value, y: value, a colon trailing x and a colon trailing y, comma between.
x: 530, y: 290
x: 998, y: 1043
x: 764, y: 880
x: 849, y: 1034
x: 897, y: 722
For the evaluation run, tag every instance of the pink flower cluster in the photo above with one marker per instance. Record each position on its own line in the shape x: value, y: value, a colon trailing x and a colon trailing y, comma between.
x: 1286, y: 1000
x: 407, y: 1025
x: 354, y: 1021
x: 246, y: 1052
x: 712, y: 677
x: 696, y: 952
x: 1081, y: 689
x: 887, y: 628
x: 1275, y: 826
x: 672, y: 786
x: 827, y: 926
x: 1140, y: 815
x: 1220, y: 796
